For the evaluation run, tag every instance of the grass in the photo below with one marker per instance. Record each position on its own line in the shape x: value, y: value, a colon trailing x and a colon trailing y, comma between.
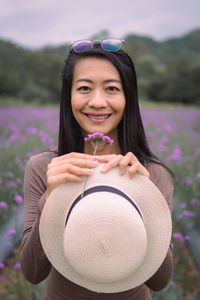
x: 174, y: 135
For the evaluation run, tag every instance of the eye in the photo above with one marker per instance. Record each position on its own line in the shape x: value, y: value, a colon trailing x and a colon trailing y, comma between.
x: 83, y: 88
x: 113, y: 89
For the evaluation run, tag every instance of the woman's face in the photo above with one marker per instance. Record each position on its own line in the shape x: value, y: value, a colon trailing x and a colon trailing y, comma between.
x: 97, y: 96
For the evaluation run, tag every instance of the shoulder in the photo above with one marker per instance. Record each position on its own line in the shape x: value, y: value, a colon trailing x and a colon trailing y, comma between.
x: 162, y: 180
x: 157, y: 171
x: 43, y: 157
x: 41, y: 160
x: 36, y: 168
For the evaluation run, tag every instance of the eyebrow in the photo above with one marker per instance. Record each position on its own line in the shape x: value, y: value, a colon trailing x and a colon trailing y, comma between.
x: 105, y: 81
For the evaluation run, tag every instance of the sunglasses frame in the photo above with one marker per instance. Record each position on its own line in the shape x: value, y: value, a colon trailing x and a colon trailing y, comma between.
x: 96, y: 42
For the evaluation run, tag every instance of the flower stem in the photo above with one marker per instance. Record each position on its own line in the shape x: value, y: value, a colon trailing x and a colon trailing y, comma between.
x: 86, y: 177
x: 95, y: 149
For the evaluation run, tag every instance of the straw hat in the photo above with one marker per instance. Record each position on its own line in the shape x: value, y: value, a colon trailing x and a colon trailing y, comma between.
x: 112, y: 239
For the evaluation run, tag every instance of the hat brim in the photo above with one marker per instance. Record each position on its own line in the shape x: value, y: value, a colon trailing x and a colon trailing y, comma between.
x: 150, y: 202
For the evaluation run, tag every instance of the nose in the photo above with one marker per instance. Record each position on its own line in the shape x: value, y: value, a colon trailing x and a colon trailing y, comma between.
x: 97, y: 100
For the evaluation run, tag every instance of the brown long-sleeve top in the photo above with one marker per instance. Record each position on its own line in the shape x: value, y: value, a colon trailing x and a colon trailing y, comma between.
x: 35, y: 265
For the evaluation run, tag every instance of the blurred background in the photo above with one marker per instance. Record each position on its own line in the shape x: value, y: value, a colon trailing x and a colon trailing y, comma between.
x: 163, y: 39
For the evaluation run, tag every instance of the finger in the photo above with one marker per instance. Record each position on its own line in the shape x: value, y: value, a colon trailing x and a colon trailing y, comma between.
x: 54, y: 181
x: 111, y: 163
x: 126, y: 160
x: 82, y: 163
x: 70, y: 169
x: 137, y: 168
x: 71, y: 155
x: 131, y: 156
x: 104, y: 158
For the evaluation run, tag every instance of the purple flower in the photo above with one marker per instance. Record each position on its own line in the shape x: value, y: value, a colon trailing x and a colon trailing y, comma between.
x: 98, y: 134
x: 11, y: 232
x: 183, y: 205
x: 32, y: 130
x: 164, y: 140
x: 186, y: 237
x: 107, y: 140
x: 98, y: 137
x: 18, y: 160
x: 9, y: 174
x: 198, y: 175
x: 11, y: 184
x: 14, y: 137
x: 17, y: 266
x: 163, y: 148
x: 197, y: 152
x: 177, y: 154
x: 3, y: 204
x: 168, y: 127
x: 18, y: 199
x: 2, y: 265
x: 188, y: 213
x: 18, y: 180
x: 187, y: 181
x: 178, y: 237
x: 194, y: 201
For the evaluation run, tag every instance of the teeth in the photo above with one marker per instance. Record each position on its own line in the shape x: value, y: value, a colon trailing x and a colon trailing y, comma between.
x: 98, y: 117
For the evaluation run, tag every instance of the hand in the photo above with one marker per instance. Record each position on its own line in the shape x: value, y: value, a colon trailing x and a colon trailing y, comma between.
x: 129, y: 160
x: 69, y: 167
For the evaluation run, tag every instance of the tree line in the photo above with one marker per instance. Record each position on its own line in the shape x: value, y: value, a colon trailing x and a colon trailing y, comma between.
x: 168, y: 71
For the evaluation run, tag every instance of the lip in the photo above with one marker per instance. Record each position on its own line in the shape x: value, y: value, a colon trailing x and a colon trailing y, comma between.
x: 96, y: 114
x: 90, y: 116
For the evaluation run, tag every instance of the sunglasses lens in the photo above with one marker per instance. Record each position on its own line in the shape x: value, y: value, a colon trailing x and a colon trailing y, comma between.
x: 111, y: 44
x: 83, y: 45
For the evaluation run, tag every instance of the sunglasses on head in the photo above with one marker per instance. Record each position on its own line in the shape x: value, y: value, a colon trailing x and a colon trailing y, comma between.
x: 107, y: 45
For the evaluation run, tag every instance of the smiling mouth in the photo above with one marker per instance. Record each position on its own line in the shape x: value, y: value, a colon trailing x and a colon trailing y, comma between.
x: 98, y: 116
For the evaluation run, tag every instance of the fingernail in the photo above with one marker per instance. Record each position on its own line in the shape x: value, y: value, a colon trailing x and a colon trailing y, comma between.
x: 122, y: 172
x: 90, y: 172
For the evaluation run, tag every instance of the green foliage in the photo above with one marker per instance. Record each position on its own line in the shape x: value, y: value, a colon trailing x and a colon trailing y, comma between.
x: 180, y: 81
x: 149, y: 69
x: 30, y: 75
x: 167, y: 71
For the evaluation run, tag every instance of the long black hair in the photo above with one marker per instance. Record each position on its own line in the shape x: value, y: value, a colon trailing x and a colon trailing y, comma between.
x: 131, y: 134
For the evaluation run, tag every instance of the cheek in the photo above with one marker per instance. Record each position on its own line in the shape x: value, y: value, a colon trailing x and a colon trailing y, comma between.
x: 75, y: 106
x: 75, y: 102
x: 121, y: 106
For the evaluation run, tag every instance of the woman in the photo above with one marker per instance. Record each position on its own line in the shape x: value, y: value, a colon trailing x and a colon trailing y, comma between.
x: 99, y: 94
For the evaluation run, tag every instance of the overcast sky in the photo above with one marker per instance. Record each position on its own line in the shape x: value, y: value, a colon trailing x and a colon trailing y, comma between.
x: 35, y: 23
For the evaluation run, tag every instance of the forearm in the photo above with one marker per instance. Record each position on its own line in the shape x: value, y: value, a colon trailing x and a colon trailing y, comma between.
x: 162, y: 277
x: 34, y: 262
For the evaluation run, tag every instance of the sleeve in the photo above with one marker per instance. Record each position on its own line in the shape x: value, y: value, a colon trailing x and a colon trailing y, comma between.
x: 34, y: 262
x: 161, y: 178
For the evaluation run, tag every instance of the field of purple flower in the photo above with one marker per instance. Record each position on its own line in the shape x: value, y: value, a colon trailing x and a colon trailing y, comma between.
x: 174, y: 136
